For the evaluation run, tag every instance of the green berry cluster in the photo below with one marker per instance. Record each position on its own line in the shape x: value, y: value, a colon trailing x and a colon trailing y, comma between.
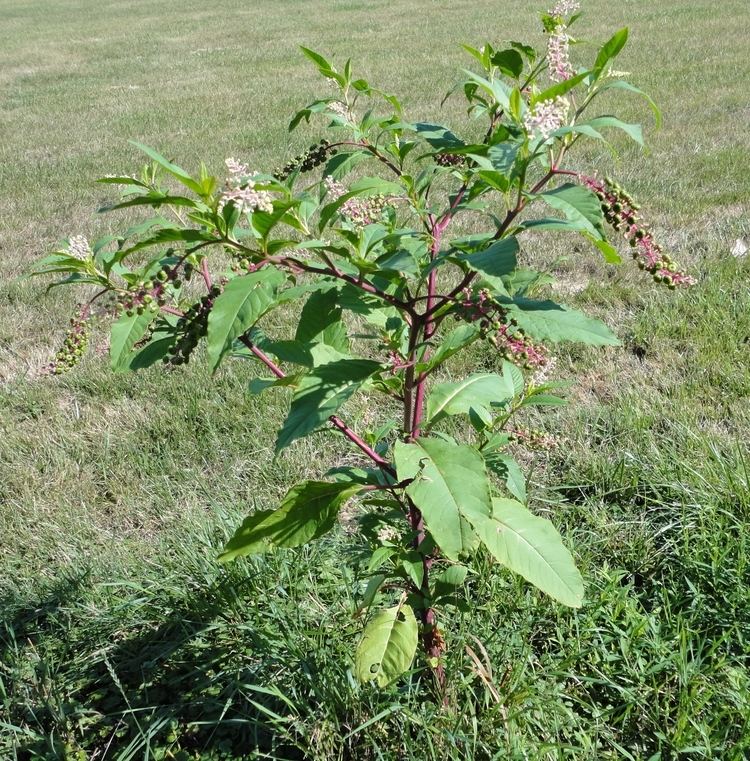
x: 76, y: 342
x: 313, y: 157
x: 533, y: 438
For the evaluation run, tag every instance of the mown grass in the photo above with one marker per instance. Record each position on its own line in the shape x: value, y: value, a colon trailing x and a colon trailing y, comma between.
x: 121, y: 637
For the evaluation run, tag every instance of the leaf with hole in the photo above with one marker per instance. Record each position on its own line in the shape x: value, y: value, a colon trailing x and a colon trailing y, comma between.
x: 388, y: 646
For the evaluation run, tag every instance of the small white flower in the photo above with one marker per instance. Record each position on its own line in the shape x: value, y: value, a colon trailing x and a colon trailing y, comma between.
x: 341, y: 109
x: 558, y: 55
x: 335, y: 189
x: 236, y: 167
x: 79, y: 247
x: 546, y: 117
x: 564, y: 7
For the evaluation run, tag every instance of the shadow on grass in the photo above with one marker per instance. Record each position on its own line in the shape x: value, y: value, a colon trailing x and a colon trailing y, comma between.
x: 190, y: 679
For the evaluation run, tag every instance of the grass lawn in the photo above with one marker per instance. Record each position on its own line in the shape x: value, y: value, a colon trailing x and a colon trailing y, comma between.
x: 120, y: 635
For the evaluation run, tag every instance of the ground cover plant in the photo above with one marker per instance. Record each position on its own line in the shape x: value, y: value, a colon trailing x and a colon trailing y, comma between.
x: 189, y: 629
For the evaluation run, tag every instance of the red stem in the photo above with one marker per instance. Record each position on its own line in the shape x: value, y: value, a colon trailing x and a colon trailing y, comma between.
x: 335, y: 421
x: 206, y: 273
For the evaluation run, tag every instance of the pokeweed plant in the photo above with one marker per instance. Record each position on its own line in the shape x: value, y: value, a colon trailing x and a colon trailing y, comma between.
x: 439, y: 482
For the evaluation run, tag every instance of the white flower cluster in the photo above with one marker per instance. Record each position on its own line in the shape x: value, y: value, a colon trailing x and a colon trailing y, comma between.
x: 558, y: 54
x: 240, y: 190
x: 335, y: 189
x: 546, y: 117
x: 341, y: 109
x: 79, y: 247
x: 564, y: 7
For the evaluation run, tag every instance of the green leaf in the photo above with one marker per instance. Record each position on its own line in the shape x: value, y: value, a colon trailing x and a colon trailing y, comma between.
x: 506, y: 468
x: 388, y: 646
x: 509, y: 62
x: 620, y: 84
x: 494, y: 262
x: 244, y: 301
x: 342, y: 163
x: 561, y: 88
x: 439, y: 137
x: 531, y: 547
x: 457, y: 339
x: 580, y: 206
x: 478, y: 392
x: 125, y: 334
x: 321, y: 394
x: 324, y: 67
x: 592, y: 127
x: 610, y: 50
x: 548, y: 321
x: 173, y: 169
x: 449, y: 484
x: 371, y: 591
x: 320, y: 322
x: 308, y: 511
x: 413, y: 565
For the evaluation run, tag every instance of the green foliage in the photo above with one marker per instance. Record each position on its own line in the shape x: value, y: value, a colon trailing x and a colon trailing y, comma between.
x: 377, y: 278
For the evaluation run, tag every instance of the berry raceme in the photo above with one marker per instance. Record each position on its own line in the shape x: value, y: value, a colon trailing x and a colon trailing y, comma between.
x: 76, y: 342
x: 622, y: 213
x: 501, y: 331
x: 192, y: 327
x: 151, y: 295
x: 316, y: 155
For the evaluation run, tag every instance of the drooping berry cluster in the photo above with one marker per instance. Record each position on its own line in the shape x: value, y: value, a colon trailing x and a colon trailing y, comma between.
x: 151, y: 295
x: 450, y: 159
x: 76, y: 342
x: 621, y: 211
x: 316, y: 155
x: 515, y: 346
x: 502, y: 331
x: 191, y: 327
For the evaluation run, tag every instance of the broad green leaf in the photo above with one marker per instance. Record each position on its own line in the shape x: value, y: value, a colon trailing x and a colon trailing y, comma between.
x: 307, y: 512
x: 531, y: 547
x: 506, y: 468
x: 342, y: 163
x: 169, y: 235
x: 439, y: 137
x: 449, y: 581
x: 580, y: 206
x: 449, y: 483
x: 244, y: 301
x: 321, y: 394
x: 413, y: 565
x: 125, y: 334
x: 371, y: 591
x: 548, y: 321
x: 388, y: 646
x: 320, y: 321
x: 509, y: 62
x: 478, y: 391
x: 494, y: 262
